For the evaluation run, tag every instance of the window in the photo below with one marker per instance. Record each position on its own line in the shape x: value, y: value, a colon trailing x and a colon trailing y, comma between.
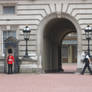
x: 8, y: 9
x: 65, y: 51
x: 7, y: 34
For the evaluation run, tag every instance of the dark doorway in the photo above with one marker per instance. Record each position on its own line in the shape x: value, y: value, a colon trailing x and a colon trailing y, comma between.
x: 54, y: 33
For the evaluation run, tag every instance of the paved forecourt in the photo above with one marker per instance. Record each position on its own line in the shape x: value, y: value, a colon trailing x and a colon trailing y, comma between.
x: 53, y: 82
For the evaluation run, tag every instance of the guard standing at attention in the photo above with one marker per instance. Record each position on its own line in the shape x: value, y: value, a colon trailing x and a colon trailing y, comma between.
x: 10, y: 61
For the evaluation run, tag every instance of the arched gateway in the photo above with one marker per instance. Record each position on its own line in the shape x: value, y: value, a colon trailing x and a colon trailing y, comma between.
x: 51, y: 32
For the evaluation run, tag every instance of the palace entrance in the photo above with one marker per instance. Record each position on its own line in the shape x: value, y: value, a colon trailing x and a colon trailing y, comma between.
x: 52, y: 34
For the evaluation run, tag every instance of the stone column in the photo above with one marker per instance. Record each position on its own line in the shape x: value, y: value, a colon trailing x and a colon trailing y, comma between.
x: 70, y: 54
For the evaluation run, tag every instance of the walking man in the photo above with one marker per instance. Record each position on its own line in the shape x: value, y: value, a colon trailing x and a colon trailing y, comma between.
x: 87, y: 61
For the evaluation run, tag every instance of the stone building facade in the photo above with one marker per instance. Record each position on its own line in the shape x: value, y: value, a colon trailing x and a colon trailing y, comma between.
x: 49, y: 21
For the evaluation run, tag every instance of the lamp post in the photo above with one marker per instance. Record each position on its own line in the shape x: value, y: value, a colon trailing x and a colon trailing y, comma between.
x: 26, y: 33
x: 88, y: 34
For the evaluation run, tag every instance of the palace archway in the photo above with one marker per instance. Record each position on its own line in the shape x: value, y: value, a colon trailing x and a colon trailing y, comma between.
x: 51, y: 33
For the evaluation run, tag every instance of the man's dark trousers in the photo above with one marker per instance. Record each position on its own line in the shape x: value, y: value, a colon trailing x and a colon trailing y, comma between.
x: 86, y: 65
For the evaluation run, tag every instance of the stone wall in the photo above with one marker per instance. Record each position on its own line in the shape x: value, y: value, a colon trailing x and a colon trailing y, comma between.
x: 32, y: 12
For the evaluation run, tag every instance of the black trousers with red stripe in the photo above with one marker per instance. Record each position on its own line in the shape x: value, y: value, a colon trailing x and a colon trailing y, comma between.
x: 9, y: 68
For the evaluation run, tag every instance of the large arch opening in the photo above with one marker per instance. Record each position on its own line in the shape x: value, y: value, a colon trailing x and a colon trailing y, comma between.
x: 52, y: 31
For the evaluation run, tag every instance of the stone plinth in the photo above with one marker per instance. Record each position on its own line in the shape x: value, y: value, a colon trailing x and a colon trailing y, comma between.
x: 28, y: 65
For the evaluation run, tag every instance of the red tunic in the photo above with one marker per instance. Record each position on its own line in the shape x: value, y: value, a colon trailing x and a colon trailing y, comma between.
x: 10, y: 59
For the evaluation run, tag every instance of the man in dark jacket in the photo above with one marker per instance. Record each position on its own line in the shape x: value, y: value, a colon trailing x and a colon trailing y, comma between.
x: 87, y: 61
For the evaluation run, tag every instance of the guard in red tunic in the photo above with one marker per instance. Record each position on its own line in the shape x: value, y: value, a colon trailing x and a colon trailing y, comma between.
x: 10, y: 61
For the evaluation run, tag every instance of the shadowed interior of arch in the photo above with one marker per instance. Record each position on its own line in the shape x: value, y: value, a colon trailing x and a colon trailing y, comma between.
x: 54, y: 32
